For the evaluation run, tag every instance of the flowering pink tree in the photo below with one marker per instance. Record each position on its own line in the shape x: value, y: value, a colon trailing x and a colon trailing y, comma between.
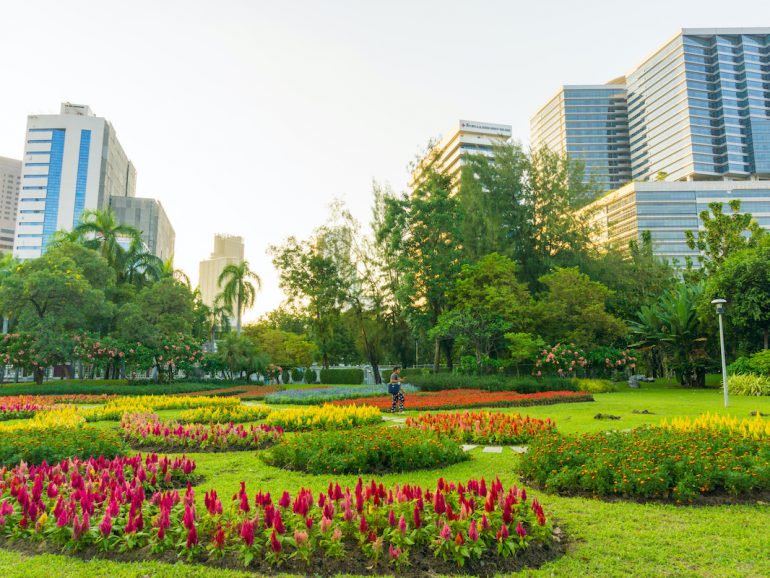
x: 564, y: 360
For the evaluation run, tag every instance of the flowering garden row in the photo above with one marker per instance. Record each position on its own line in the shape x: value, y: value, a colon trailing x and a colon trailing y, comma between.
x: 147, y: 431
x: 104, y: 504
x: 756, y: 428
x: 650, y: 463
x: 225, y: 414
x: 462, y: 398
x: 114, y: 409
x: 483, y: 427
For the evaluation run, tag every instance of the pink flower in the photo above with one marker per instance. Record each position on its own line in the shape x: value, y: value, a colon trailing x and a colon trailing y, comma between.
x: 520, y: 530
x: 105, y: 528
x: 247, y: 532
x: 192, y: 537
x: 300, y: 537
x: 402, y: 524
x: 275, y: 543
x: 473, y: 531
x: 446, y: 532
x: 394, y: 553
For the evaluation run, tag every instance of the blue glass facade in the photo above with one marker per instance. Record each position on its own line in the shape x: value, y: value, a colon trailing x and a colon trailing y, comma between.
x: 668, y: 209
x: 590, y: 123
x: 51, y: 213
x: 82, y: 176
x: 699, y: 108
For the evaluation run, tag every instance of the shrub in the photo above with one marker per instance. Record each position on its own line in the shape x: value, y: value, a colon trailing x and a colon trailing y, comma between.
x: 649, y: 463
x: 365, y: 450
x: 351, y: 376
x: 483, y: 427
x: 748, y: 384
x: 526, y: 384
x: 595, y: 385
x: 467, y: 398
x: 147, y: 431
x: 562, y: 359
x: 325, y: 417
x: 760, y: 362
x: 235, y: 413
x: 740, y: 365
x: 310, y: 375
x: 297, y: 375
x: 99, y: 387
x: 57, y: 443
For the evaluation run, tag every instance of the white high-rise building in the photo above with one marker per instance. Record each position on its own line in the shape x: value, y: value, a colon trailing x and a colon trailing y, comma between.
x: 469, y: 137
x: 228, y: 250
x: 72, y: 162
x: 10, y: 184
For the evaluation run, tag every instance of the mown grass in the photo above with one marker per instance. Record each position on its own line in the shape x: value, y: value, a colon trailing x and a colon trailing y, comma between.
x: 605, y: 538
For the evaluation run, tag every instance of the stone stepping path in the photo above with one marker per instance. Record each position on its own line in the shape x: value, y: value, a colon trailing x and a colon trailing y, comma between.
x: 494, y: 449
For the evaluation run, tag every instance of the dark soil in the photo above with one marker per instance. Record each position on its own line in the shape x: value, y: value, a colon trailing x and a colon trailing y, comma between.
x: 422, y: 562
x: 606, y: 416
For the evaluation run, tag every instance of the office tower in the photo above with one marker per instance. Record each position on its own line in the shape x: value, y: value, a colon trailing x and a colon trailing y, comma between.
x: 590, y: 123
x: 699, y: 107
x: 228, y: 250
x: 148, y: 216
x: 467, y: 138
x: 667, y: 209
x: 72, y: 162
x: 10, y: 184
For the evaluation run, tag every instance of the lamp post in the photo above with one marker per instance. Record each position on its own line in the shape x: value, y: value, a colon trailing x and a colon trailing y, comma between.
x: 416, y: 352
x: 720, y: 305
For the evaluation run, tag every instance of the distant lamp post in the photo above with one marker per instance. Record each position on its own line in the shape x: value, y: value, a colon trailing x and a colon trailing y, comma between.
x: 720, y: 305
x: 416, y: 352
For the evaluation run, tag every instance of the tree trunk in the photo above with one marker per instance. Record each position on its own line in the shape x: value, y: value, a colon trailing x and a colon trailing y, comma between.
x: 238, y: 317
x: 436, y: 356
x: 39, y: 375
x: 765, y: 335
x: 448, y: 345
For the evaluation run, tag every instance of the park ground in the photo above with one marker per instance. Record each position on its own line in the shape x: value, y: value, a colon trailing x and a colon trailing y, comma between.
x: 604, y: 538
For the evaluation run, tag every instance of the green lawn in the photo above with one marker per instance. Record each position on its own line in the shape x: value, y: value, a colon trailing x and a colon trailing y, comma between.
x: 605, y: 539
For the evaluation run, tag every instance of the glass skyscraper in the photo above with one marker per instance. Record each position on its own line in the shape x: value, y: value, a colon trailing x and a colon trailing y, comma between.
x: 699, y: 107
x: 590, y: 123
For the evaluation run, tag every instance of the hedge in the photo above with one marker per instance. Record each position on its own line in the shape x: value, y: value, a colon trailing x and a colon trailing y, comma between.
x: 525, y: 384
x: 99, y: 387
x: 55, y: 444
x: 352, y: 376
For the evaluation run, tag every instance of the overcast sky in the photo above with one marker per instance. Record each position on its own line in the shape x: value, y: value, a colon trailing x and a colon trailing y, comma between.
x: 250, y: 117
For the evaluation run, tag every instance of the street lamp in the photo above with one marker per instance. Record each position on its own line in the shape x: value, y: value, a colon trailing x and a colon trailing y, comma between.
x: 720, y: 305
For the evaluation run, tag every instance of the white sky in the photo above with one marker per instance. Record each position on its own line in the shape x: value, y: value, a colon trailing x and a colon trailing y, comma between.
x: 250, y: 117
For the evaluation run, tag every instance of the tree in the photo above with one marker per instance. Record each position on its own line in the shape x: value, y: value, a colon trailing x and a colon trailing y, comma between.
x: 239, y: 285
x: 310, y: 277
x: 281, y: 347
x: 424, y: 230
x: 723, y: 234
x: 168, y: 270
x: 744, y: 279
x: 100, y: 230
x: 673, y: 325
x: 573, y: 309
x: 159, y: 316
x: 487, y: 301
x: 241, y: 355
x: 523, y: 347
x: 137, y: 266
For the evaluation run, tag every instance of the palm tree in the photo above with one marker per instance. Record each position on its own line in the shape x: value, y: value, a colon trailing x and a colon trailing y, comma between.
x: 238, y: 291
x: 137, y: 266
x: 177, y: 274
x: 100, y: 230
x: 218, y: 318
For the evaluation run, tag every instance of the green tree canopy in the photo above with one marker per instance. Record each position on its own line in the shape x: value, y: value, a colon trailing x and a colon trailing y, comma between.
x: 239, y: 285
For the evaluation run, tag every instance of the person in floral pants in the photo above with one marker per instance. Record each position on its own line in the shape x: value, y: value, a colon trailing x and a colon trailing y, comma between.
x: 394, y: 387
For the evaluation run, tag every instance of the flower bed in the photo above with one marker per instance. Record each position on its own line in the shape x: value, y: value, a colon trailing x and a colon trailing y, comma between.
x: 483, y: 427
x: 756, y: 428
x: 324, y: 417
x: 21, y: 406
x: 114, y: 409
x: 318, y: 395
x: 371, y: 528
x: 58, y: 417
x: 365, y: 450
x: 232, y: 413
x: 56, y: 443
x: 461, y: 398
x: 650, y: 463
x: 146, y: 431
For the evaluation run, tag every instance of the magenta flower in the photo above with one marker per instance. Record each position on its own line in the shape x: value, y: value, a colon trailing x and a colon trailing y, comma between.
x: 520, y: 530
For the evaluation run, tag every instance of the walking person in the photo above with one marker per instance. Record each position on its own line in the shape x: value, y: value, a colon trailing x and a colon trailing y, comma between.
x: 394, y: 388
